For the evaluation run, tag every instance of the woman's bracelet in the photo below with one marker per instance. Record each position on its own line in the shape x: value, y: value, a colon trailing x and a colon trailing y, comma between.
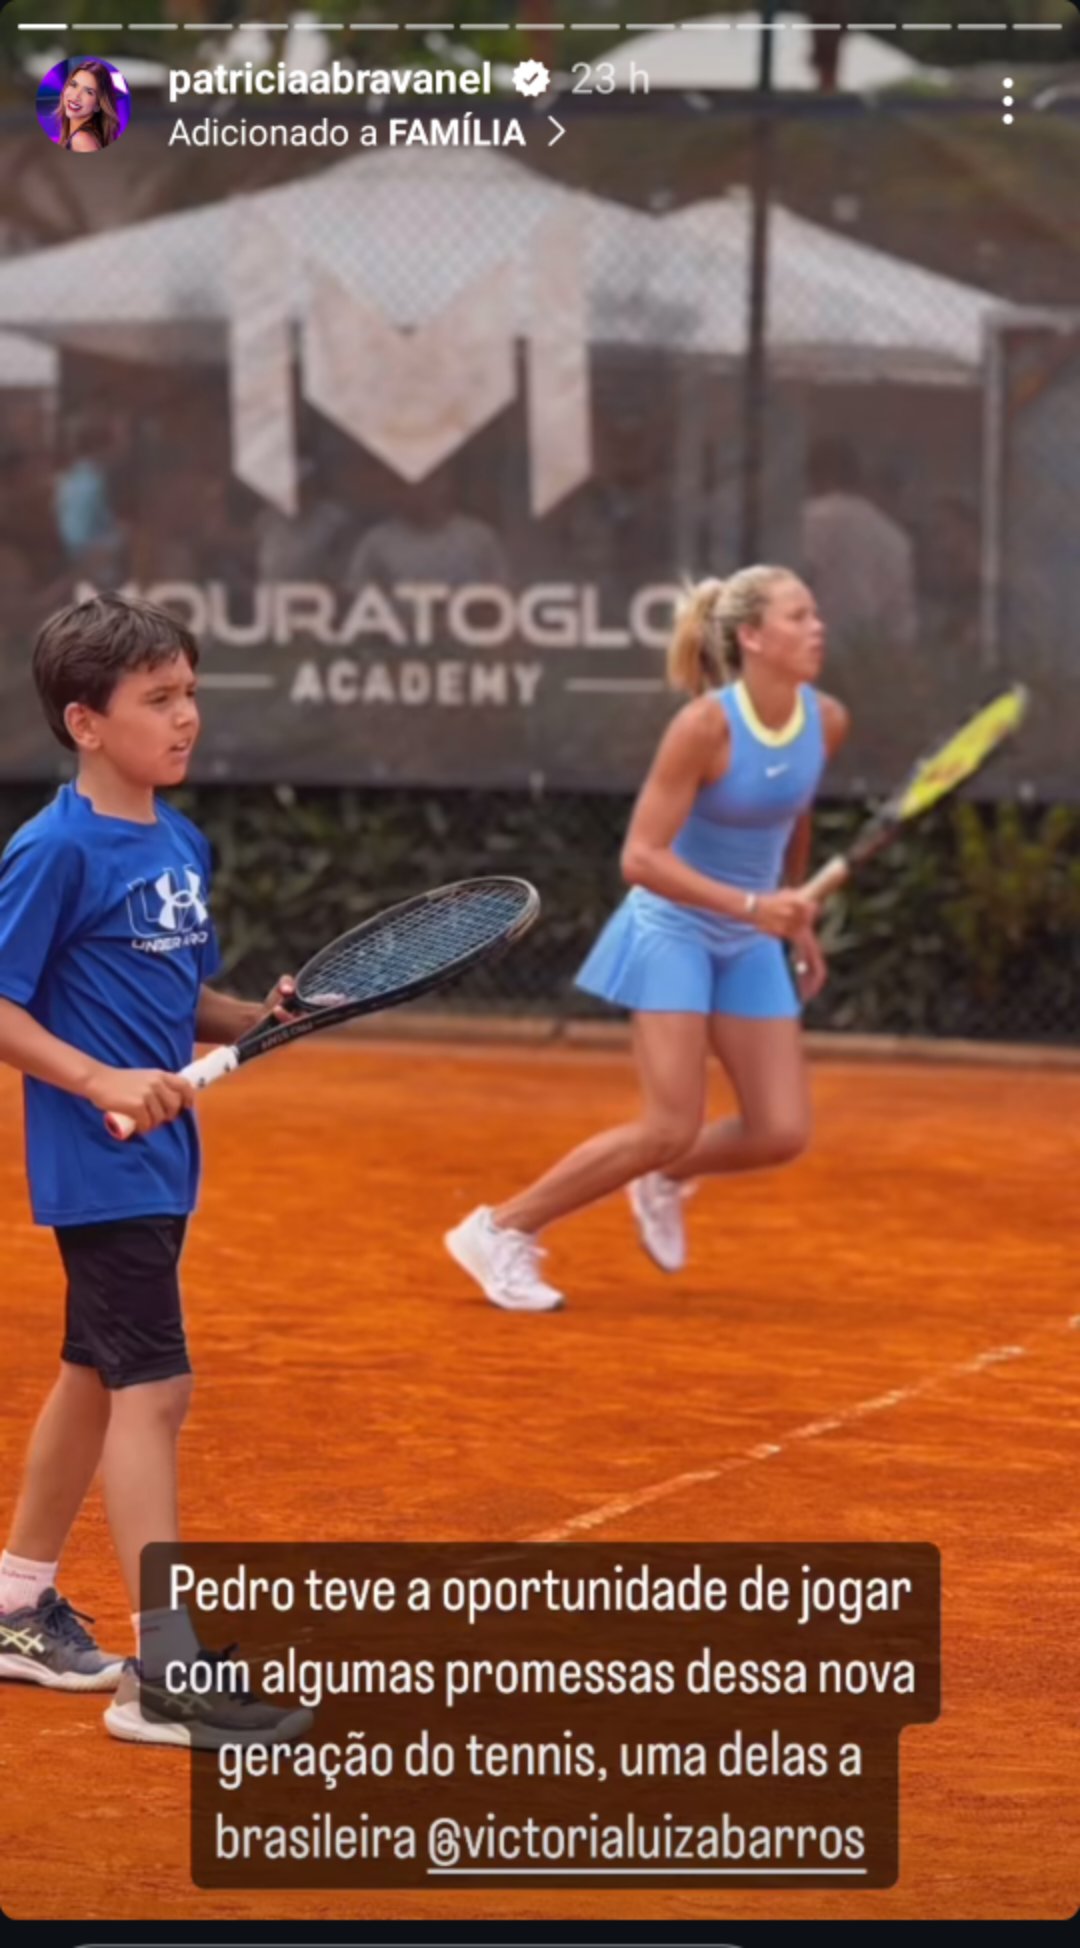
x: 750, y: 905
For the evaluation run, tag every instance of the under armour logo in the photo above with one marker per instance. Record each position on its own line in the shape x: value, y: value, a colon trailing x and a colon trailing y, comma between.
x: 181, y: 906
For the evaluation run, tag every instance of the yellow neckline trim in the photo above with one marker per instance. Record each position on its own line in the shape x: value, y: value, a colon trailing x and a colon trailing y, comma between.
x: 786, y: 735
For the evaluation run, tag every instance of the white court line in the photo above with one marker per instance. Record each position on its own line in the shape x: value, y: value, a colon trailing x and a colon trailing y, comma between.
x: 658, y: 1491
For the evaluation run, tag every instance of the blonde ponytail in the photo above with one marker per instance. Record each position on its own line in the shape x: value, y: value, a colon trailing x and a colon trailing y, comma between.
x: 695, y: 659
x: 705, y: 651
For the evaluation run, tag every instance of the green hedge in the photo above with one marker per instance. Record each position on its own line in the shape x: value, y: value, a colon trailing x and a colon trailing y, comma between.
x: 968, y: 926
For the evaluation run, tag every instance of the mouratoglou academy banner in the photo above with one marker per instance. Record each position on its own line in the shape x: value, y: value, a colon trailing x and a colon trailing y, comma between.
x: 423, y: 448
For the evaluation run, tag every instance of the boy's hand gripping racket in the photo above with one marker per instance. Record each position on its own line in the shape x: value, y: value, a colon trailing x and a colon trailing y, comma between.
x: 932, y: 779
x: 398, y: 955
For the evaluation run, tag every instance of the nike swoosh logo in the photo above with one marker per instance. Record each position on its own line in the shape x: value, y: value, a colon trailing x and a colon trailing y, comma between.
x: 774, y: 770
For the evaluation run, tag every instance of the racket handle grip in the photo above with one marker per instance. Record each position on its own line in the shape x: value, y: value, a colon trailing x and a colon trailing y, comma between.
x: 206, y: 1069
x: 210, y: 1068
x: 828, y: 879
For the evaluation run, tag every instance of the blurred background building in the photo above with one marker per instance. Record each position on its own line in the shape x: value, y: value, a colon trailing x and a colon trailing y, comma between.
x: 424, y: 442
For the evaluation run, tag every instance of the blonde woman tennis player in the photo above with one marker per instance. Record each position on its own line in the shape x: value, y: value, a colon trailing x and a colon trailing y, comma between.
x: 696, y: 951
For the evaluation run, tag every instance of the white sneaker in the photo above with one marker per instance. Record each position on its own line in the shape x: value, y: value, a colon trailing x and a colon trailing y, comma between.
x: 657, y: 1204
x: 505, y: 1264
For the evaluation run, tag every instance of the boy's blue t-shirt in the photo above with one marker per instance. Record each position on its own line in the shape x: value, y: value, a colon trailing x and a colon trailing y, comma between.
x: 106, y: 939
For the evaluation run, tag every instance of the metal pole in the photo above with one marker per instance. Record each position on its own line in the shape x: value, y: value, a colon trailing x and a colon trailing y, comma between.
x: 753, y: 443
x: 993, y: 487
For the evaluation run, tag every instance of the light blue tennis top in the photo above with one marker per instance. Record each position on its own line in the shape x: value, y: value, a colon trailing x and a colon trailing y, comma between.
x: 739, y: 828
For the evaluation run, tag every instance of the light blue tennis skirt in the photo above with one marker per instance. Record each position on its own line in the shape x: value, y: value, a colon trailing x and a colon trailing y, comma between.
x: 673, y: 969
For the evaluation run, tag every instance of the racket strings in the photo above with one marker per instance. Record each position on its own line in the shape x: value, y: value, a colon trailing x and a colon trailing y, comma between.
x: 413, y: 945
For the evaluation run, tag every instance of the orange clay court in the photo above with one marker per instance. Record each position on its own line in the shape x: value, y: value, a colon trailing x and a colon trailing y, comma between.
x: 913, y: 1279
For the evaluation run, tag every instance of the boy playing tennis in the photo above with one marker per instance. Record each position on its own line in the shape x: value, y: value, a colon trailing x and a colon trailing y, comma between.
x: 106, y: 944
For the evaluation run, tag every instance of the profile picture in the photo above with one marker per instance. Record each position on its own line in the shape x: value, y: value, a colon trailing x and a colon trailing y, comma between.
x: 84, y: 104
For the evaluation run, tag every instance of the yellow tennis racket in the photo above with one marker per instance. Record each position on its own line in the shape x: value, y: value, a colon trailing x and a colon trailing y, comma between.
x: 931, y: 780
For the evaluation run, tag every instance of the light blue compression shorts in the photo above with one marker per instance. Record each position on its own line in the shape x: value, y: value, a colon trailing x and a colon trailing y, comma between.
x: 652, y: 970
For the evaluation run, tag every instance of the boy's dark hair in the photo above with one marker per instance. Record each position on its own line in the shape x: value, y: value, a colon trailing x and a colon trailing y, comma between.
x: 82, y: 652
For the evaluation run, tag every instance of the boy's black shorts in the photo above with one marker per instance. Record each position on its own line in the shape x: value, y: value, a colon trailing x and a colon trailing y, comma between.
x: 124, y: 1315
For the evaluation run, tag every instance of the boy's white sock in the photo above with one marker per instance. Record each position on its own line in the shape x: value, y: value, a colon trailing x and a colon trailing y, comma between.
x: 162, y: 1637
x: 22, y: 1581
